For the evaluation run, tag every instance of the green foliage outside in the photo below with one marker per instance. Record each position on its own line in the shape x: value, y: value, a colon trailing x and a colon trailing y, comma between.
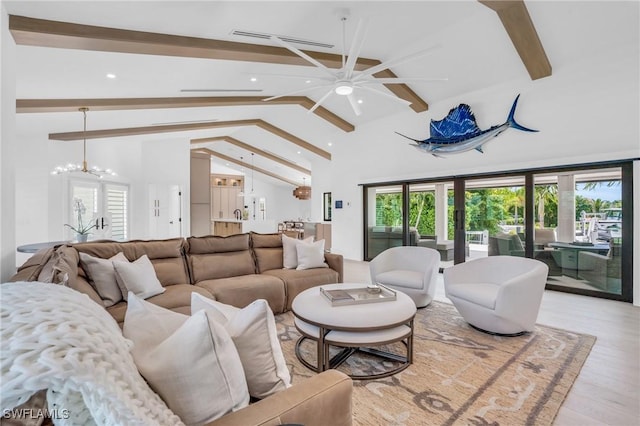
x: 486, y: 209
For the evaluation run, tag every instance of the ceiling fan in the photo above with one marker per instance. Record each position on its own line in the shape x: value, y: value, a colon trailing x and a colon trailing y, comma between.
x: 344, y: 81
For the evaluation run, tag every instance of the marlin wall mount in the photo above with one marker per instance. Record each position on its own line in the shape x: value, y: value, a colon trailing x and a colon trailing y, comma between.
x: 458, y: 132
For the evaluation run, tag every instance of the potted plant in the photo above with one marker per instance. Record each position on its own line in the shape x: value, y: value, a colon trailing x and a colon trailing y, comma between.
x: 81, y: 230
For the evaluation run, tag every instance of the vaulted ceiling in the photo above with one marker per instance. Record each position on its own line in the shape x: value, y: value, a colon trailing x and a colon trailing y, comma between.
x: 181, y: 69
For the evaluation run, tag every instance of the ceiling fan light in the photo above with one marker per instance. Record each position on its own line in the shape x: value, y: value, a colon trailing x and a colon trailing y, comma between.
x: 344, y: 89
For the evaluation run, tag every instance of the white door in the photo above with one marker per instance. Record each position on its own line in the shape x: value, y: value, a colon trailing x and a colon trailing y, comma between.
x: 165, y: 211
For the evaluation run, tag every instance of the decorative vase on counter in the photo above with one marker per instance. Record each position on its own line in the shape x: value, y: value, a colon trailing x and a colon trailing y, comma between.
x: 245, y: 214
x: 82, y: 238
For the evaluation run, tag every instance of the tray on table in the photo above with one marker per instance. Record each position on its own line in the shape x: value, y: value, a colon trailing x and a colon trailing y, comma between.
x: 358, y: 295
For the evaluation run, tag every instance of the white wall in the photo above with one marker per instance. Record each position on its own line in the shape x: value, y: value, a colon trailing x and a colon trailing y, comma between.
x: 281, y: 204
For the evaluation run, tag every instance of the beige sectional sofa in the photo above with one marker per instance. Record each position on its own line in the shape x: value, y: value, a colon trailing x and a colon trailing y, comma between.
x: 235, y: 270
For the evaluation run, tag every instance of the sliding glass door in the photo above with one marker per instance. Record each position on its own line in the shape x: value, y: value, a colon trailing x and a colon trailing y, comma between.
x: 575, y: 219
x: 385, y: 220
x: 580, y: 213
x: 494, y: 217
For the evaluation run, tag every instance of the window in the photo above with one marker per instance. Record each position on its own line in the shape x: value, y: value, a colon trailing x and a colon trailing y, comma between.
x: 106, y: 205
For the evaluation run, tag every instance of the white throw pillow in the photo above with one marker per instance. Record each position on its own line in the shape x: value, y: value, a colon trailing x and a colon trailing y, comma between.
x: 191, y: 362
x: 103, y: 277
x: 138, y: 277
x: 253, y: 330
x: 290, y: 251
x: 311, y: 255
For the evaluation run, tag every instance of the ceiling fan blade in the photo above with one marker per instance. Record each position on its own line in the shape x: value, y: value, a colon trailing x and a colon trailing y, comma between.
x: 396, y: 61
x: 293, y: 76
x: 295, y: 92
x: 380, y: 92
x: 322, y: 99
x: 302, y: 55
x: 396, y: 80
x: 354, y: 104
x: 356, y: 47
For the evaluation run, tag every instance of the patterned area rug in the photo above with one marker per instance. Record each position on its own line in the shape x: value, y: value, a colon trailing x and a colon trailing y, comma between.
x: 459, y: 376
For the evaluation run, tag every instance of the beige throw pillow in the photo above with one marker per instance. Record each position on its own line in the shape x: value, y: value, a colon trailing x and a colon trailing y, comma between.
x: 290, y: 251
x: 138, y: 277
x: 103, y: 277
x: 253, y: 330
x: 311, y: 255
x: 191, y: 362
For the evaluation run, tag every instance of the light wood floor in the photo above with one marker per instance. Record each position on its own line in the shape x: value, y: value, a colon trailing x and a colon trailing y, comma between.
x: 607, y: 391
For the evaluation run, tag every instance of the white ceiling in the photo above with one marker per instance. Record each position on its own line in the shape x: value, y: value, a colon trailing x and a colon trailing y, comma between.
x: 476, y: 53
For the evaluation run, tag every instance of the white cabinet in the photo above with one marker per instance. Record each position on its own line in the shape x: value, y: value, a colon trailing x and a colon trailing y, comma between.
x: 224, y: 196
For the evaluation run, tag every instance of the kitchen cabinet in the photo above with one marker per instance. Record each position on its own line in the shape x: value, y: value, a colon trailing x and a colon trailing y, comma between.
x: 225, y: 228
x: 224, y: 196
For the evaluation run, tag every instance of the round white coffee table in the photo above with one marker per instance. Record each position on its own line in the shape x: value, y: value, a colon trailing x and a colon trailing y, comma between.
x: 355, y: 328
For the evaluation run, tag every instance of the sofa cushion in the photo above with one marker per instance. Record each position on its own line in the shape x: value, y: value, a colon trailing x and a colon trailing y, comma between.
x: 102, y: 276
x: 176, y: 297
x: 165, y: 255
x: 290, y: 251
x: 297, y: 281
x: 253, y: 331
x: 191, y: 362
x: 268, y: 251
x: 214, y: 257
x: 138, y: 277
x: 242, y: 290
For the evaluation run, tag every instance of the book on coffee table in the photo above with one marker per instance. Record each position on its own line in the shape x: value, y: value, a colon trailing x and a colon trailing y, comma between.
x: 358, y: 295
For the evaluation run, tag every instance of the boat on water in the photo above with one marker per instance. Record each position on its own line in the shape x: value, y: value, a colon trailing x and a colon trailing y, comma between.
x: 606, y: 224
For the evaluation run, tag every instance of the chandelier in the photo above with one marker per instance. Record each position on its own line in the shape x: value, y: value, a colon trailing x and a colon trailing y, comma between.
x: 303, y: 192
x: 84, y: 168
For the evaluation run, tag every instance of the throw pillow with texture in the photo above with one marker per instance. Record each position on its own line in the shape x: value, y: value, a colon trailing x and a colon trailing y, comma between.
x: 290, y: 251
x: 311, y: 255
x: 103, y: 277
x: 138, y: 277
x: 253, y: 331
x: 191, y: 362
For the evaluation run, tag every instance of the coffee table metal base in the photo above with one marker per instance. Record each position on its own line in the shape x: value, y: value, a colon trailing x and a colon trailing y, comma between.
x: 325, y: 361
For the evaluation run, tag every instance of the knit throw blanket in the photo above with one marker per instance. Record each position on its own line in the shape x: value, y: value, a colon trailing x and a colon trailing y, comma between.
x: 58, y: 339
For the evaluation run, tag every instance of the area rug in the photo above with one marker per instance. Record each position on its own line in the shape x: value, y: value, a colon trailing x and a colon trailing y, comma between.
x: 459, y: 376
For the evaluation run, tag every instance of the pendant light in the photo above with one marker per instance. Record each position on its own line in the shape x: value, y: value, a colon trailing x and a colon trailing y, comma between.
x: 252, y: 193
x: 84, y: 168
x: 303, y: 192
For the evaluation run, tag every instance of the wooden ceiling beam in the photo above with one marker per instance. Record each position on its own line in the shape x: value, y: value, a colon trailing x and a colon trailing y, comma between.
x: 65, y: 35
x: 519, y: 26
x: 169, y: 128
x: 253, y: 149
x: 243, y: 164
x: 117, y: 104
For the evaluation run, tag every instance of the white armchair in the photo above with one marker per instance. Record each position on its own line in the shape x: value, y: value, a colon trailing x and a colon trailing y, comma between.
x: 412, y: 270
x: 497, y: 294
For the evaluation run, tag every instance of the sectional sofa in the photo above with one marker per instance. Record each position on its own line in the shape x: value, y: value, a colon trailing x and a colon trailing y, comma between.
x: 234, y: 270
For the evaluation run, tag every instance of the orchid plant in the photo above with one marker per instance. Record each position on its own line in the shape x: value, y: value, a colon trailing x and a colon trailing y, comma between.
x: 80, y: 209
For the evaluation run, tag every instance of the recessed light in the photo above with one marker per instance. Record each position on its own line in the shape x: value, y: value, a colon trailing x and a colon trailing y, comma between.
x: 299, y: 152
x: 308, y: 81
x: 359, y: 101
x: 253, y: 79
x: 110, y: 75
x: 330, y: 143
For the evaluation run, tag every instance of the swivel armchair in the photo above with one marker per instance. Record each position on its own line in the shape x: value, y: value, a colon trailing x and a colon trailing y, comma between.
x: 497, y: 294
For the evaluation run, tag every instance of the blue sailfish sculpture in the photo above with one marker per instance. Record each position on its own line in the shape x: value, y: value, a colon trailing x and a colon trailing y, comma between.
x: 458, y: 132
